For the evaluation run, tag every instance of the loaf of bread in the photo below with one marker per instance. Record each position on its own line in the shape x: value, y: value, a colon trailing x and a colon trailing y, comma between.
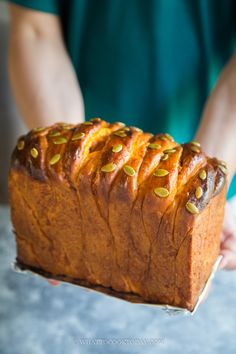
x: 109, y: 207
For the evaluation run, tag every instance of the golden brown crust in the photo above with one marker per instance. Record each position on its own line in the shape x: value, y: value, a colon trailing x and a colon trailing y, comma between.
x: 118, y: 208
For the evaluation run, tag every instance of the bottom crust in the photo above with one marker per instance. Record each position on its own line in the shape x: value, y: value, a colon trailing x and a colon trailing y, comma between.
x: 131, y: 297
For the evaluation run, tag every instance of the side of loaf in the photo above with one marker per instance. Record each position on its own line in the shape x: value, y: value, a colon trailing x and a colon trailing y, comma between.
x: 113, y: 208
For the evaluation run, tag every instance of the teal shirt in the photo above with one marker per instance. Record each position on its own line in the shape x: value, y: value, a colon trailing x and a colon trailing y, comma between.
x: 147, y: 63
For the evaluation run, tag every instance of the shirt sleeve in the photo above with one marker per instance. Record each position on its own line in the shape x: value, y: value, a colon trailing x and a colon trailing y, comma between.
x: 49, y: 6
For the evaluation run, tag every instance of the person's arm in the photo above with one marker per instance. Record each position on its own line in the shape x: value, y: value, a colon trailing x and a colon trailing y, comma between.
x: 217, y: 135
x: 217, y: 130
x: 42, y: 77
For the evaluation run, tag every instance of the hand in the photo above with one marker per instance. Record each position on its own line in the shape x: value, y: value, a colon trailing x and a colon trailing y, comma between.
x: 228, y: 240
x: 53, y: 282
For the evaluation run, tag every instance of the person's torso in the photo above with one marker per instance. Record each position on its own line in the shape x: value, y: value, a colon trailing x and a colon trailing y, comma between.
x: 148, y: 63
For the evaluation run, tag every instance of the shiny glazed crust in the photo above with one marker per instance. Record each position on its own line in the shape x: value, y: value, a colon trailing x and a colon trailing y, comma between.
x: 115, y: 208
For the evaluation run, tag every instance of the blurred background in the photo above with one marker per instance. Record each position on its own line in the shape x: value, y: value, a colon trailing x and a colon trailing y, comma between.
x: 36, y: 318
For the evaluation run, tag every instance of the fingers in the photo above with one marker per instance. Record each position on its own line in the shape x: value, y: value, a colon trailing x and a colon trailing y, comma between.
x: 53, y: 282
x: 229, y: 260
x: 229, y: 219
x: 223, y: 236
x: 228, y: 240
x: 228, y: 250
x: 229, y: 244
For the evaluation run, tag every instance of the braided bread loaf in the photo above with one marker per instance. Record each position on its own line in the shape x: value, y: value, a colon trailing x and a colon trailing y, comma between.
x: 113, y: 208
